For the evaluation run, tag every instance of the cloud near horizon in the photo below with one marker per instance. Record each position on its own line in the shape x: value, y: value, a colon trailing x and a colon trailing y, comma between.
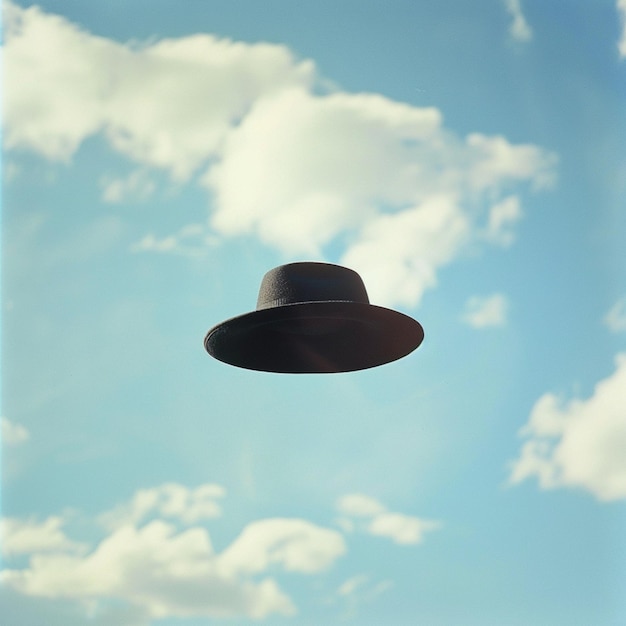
x: 578, y: 443
x: 164, y: 570
x: 156, y: 559
x: 305, y: 169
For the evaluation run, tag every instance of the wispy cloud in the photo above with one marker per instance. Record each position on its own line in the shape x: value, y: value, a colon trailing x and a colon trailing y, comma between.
x: 349, y: 587
x: 486, y: 311
x: 621, y: 12
x: 359, y: 505
x: 13, y: 434
x: 137, y: 186
x: 303, y: 168
x: 503, y: 216
x: 519, y: 28
x: 370, y: 516
x: 615, y: 319
x: 578, y: 443
x: 192, y: 240
x: 170, y: 500
x: 359, y: 590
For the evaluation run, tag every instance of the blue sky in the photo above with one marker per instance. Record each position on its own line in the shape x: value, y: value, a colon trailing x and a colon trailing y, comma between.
x: 467, y: 159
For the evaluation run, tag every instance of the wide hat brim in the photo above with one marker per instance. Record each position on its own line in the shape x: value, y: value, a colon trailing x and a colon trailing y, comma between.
x: 315, y: 337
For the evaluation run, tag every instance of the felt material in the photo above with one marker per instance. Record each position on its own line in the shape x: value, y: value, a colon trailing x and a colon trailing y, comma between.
x: 313, y: 318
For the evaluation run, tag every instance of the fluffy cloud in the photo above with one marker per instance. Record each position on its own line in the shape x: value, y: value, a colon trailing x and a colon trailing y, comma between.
x: 163, y: 571
x: 294, y: 544
x: 26, y: 537
x: 399, y: 254
x: 170, y: 500
x: 372, y: 517
x: 405, y: 194
x: 152, y: 567
x: 485, y: 312
x: 615, y: 319
x: 621, y: 10
x: 167, y: 104
x: 326, y: 161
x: 579, y: 443
x: 383, y: 184
x: 519, y: 28
x: 12, y: 434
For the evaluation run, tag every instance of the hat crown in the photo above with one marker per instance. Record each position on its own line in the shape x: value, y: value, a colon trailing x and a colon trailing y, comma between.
x: 295, y: 283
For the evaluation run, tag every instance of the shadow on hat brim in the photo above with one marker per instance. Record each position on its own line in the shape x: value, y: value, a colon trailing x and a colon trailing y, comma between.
x: 315, y: 338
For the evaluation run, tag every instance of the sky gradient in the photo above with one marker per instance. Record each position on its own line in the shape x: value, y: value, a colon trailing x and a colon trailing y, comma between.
x: 467, y: 159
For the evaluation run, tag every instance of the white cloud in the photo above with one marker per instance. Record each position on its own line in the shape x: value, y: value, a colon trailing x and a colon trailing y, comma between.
x: 326, y: 162
x: 402, y: 529
x: 359, y: 505
x: 170, y: 500
x: 192, y: 240
x: 405, y: 194
x: 372, y: 517
x: 137, y: 186
x: 502, y: 218
x: 579, y: 443
x: 59, y: 60
x: 297, y: 545
x: 299, y: 169
x: 486, y: 312
x: 615, y: 319
x: 519, y: 28
x: 13, y: 434
x: 163, y: 571
x: 168, y: 104
x: 621, y: 10
x: 351, y: 585
x: 398, y: 254
x: 153, y: 568
x: 24, y: 537
x: 357, y: 591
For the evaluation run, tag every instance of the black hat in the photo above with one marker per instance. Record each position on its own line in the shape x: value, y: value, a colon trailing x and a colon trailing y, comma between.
x: 313, y: 318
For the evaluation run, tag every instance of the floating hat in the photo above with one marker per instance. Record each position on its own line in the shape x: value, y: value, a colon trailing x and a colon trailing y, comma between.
x: 313, y: 318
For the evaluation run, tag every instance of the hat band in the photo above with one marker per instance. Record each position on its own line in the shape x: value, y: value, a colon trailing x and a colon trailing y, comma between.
x: 288, y: 301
